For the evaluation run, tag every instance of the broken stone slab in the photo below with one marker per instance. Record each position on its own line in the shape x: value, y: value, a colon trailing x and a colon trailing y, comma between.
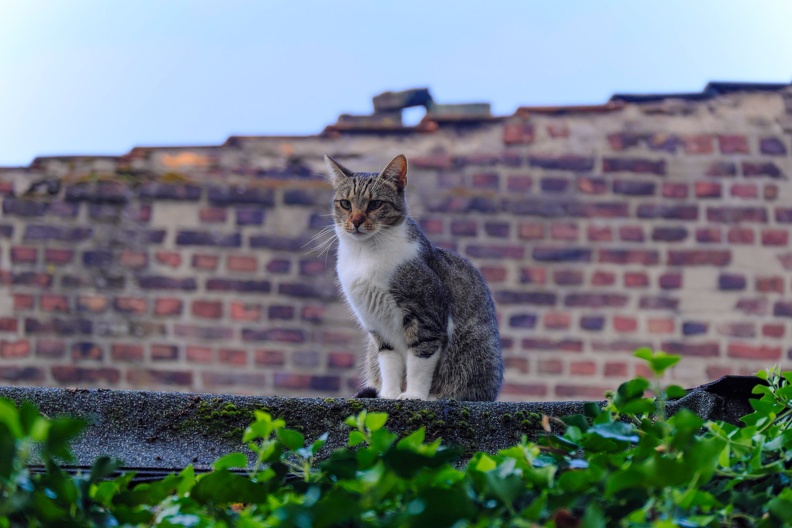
x: 166, y: 431
x: 397, y: 101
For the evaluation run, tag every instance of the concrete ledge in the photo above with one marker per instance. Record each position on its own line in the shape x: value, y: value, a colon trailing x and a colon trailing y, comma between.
x: 163, y: 431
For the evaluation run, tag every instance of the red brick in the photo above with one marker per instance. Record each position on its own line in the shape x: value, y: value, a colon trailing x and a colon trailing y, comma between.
x: 312, y: 313
x: 677, y: 191
x: 708, y: 235
x: 770, y: 192
x: 15, y: 349
x: 530, y: 231
x: 603, y: 278
x: 706, y: 189
x: 550, y: 366
x: 776, y: 331
x: 54, y: 303
x: 58, y: 256
x: 160, y: 352
x: 23, y: 301
x: 670, y: 281
x: 489, y: 180
x: 233, y: 356
x: 269, y: 358
x: 524, y: 389
x: 741, y: 235
x: 149, y: 377
x: 126, y: 352
x: 549, y: 345
x: 342, y: 360
x: 557, y: 130
x: 702, y: 349
x: 564, y: 232
x: 133, y: 259
x: 494, y: 273
x: 50, y: 348
x: 770, y: 284
x: 733, y: 144
x: 168, y: 258
x: 631, y: 233
x: 745, y: 190
x: 85, y: 375
x: 582, y: 368
x: 168, y: 306
x: 580, y: 391
x: 432, y: 226
x: 533, y: 275
x: 313, y: 267
x: 643, y: 371
x: 519, y: 364
x: 592, y: 185
x: 86, y: 351
x: 758, y: 352
x: 624, y: 324
x: 568, y: 277
x: 240, y: 311
x: 697, y: 144
x: 205, y: 262
x: 285, y: 380
x: 518, y: 133
x: 615, y: 369
x: 519, y: 183
x: 699, y: 257
x: 636, y: 279
x: 660, y: 326
x: 128, y: 305
x: 9, y: 324
x: 241, y: 263
x: 599, y: 233
x: 557, y: 320
x: 24, y: 255
x: 91, y: 303
x: 213, y: 214
x: 739, y: 329
x: 775, y: 237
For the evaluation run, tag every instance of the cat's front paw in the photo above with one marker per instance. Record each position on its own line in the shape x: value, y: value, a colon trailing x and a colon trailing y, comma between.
x: 411, y: 396
x: 389, y: 395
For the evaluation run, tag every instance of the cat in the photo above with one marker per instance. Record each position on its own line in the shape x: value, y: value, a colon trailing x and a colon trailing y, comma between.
x: 429, y: 315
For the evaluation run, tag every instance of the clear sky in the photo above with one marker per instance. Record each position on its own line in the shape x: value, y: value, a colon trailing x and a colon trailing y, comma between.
x: 101, y: 76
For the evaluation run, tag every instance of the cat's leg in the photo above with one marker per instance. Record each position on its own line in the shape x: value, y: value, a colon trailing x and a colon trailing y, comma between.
x: 391, y: 367
x: 420, y: 371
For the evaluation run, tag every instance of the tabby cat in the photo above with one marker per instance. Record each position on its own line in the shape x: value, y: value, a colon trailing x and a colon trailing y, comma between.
x: 428, y: 313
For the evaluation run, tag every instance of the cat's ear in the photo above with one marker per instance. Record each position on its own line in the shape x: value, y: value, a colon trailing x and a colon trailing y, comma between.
x: 396, y: 172
x: 336, y: 172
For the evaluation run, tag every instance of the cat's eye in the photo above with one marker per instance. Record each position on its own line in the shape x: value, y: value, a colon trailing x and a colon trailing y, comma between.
x: 345, y: 204
x: 373, y: 205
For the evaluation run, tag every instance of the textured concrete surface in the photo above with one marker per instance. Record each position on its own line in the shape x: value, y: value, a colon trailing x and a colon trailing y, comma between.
x: 168, y: 430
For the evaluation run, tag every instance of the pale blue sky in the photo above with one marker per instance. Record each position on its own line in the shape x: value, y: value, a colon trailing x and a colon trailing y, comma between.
x: 101, y: 76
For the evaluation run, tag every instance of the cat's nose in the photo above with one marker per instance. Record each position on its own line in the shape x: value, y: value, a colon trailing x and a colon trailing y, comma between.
x: 357, y: 220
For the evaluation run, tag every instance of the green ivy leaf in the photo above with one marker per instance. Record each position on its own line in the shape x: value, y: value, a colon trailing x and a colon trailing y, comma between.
x: 229, y: 461
x: 292, y: 439
x: 356, y: 438
x: 375, y: 421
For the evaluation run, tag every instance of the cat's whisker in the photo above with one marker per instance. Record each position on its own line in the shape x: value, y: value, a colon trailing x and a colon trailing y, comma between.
x: 325, y: 230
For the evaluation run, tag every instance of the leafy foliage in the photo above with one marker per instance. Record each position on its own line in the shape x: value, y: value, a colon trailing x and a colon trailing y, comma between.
x: 622, y: 465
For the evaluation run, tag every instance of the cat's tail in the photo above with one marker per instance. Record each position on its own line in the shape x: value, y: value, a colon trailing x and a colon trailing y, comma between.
x: 367, y: 392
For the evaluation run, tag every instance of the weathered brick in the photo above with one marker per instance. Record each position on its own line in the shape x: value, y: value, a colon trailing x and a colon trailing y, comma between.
x: 525, y: 297
x: 597, y: 233
x: 699, y: 257
x: 432, y: 226
x: 240, y: 311
x: 241, y: 195
x: 36, y: 232
x: 280, y: 335
x: 775, y: 331
x: 205, y: 262
x: 636, y: 165
x: 761, y: 169
x: 64, y: 327
x: 621, y: 345
x: 709, y: 235
x: 22, y: 375
x: 536, y: 231
x: 464, y: 228
x: 86, y: 351
x: 592, y: 322
x: 519, y: 183
x: 568, y: 277
x: 24, y: 208
x: 198, y: 354
x: 6, y: 231
x: 562, y: 345
x: 486, y: 180
x: 165, y: 306
x: 269, y: 358
x: 497, y: 229
x: 770, y: 284
x: 669, y: 234
x: 31, y: 278
x: 207, y: 309
x: 233, y: 379
x: 518, y: 133
x: 133, y: 259
x: 242, y: 263
x: 14, y: 349
x: 631, y: 233
x: 740, y: 330
x: 660, y: 326
x: 700, y: 144
x: 58, y: 256
x: 24, y: 254
x: 159, y: 282
x: 721, y: 169
x: 307, y: 197
x: 753, y: 306
x: 634, y: 188
x: 624, y: 324
x: 577, y: 391
x: 83, y: 375
x: 432, y: 161
x: 741, y: 235
x: 636, y: 279
x: 772, y: 146
x: 691, y: 328
x: 277, y: 243
x: 170, y: 191
x: 54, y: 303
x: 745, y: 190
x: 707, y: 189
x: 280, y: 312
x: 9, y: 324
x: 23, y: 301
x: 492, y: 251
x: 523, y: 320
x: 557, y: 320
x: 770, y: 192
x: 595, y: 300
x: 304, y: 291
x: 646, y: 257
x: 561, y: 254
x: 97, y: 259
x: 248, y: 217
x: 567, y: 231
x: 615, y: 369
x: 126, y: 352
x: 148, y: 377
x: 50, y: 348
x: 568, y: 162
x: 550, y: 366
x: 782, y: 309
x: 213, y: 215
x: 733, y: 144
x: 658, y: 302
x: 161, y: 352
x: 170, y: 259
x: 533, y: 275
x: 668, y: 211
x: 208, y: 238
x: 603, y: 278
x: 592, y: 185
x: 582, y: 368
x: 675, y: 191
x: 553, y: 185
x: 755, y: 352
x: 775, y: 237
x: 670, y: 281
x: 208, y: 333
x: 705, y: 349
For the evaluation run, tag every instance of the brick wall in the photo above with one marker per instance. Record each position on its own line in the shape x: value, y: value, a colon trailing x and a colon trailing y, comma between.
x: 663, y: 222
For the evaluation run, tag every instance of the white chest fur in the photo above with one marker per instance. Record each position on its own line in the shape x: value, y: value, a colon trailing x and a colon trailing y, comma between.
x: 365, y: 269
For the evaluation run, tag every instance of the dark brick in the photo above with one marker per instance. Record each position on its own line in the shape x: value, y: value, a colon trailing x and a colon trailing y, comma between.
x: 203, y: 332
x: 637, y: 165
x: 280, y: 335
x: 782, y: 309
x: 732, y: 144
x: 646, y: 257
x: 663, y: 142
x: 313, y: 267
x: 554, y: 185
x: 208, y: 238
x: 547, y: 254
x: 64, y: 327
x: 524, y: 297
x: 721, y: 168
x: 24, y: 208
x: 99, y: 192
x: 239, y: 285
x: 523, y: 321
x: 668, y: 211
x: 64, y: 209
x: 161, y: 352
x: 488, y: 180
x: 708, y: 235
x: 592, y: 322
x: 49, y: 232
x: 625, y: 140
x: 690, y: 328
x: 17, y: 375
x: 325, y: 383
x: 241, y: 195
x: 307, y: 291
x: 658, y: 302
x: 50, y: 348
x: 280, y: 312
x: 245, y: 217
x: 669, y: 234
x: 599, y: 210
x: 75, y: 375
x: 518, y: 133
x: 86, y: 351
x: 279, y: 266
x: 734, y: 215
x: 6, y: 231
x: 753, y: 306
x: 31, y: 278
x: 147, y: 377
x: 592, y: 185
x: 634, y: 188
x: 497, y: 229
x: 278, y: 243
x: 596, y: 300
x: 741, y: 235
x: 768, y: 169
x: 158, y: 282
x: 676, y: 191
x: 670, y: 281
x: 495, y: 252
x: 170, y: 191
x: 97, y: 259
x: 772, y: 146
x: 464, y: 227
x: 570, y: 163
x: 699, y: 257
x: 707, y: 349
x: 563, y: 345
x: 568, y: 277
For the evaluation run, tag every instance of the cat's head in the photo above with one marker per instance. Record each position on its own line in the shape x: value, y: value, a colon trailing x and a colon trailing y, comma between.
x: 366, y: 204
